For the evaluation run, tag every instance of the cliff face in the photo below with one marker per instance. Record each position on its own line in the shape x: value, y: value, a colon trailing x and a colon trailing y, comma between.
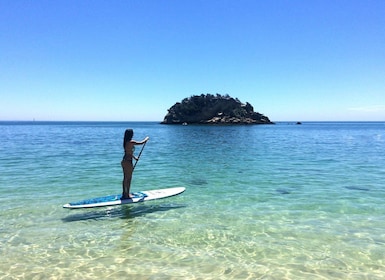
x: 213, y: 109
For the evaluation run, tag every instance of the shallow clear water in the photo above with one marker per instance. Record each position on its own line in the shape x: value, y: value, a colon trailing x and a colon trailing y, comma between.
x: 262, y: 202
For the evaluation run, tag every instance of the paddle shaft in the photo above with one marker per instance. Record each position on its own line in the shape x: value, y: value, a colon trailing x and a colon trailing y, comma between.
x: 139, y: 155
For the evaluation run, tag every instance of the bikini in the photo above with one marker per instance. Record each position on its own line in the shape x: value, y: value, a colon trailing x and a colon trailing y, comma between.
x: 128, y: 157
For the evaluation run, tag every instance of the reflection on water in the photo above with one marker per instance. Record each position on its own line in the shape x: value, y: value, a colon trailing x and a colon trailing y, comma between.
x: 122, y: 212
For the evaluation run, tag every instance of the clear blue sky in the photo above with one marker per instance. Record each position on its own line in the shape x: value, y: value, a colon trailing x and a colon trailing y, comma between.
x: 315, y: 60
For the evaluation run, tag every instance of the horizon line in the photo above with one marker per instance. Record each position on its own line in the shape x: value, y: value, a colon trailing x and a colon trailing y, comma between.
x: 148, y: 121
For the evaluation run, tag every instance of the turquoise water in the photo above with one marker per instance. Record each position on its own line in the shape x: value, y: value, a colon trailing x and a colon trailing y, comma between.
x: 262, y: 202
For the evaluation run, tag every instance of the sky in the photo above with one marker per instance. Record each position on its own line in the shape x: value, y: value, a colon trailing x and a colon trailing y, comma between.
x: 131, y: 60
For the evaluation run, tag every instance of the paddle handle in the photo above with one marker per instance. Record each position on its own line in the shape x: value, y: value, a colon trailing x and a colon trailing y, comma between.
x: 139, y: 155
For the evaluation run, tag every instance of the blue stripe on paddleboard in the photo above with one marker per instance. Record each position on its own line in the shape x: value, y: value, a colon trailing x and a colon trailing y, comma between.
x: 108, y: 198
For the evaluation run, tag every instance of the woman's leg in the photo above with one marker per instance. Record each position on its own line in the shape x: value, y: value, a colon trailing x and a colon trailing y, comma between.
x: 127, y: 177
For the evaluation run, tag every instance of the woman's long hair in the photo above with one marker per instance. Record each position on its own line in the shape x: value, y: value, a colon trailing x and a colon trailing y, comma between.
x: 128, y: 134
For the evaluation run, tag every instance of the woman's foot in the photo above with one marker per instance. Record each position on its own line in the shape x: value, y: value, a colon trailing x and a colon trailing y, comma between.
x: 125, y: 196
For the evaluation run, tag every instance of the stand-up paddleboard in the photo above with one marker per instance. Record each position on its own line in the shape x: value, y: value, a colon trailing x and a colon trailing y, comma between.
x: 112, y: 200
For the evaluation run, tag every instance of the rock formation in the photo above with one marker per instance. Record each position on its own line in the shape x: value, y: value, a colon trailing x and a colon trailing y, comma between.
x: 213, y: 109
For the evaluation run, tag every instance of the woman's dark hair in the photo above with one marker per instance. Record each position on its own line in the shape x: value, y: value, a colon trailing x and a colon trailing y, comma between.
x: 127, y: 136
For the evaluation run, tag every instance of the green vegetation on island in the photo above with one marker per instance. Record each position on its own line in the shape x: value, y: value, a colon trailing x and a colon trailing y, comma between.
x: 213, y: 109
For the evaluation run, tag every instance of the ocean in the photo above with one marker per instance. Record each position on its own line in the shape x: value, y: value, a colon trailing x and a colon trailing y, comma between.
x: 280, y: 201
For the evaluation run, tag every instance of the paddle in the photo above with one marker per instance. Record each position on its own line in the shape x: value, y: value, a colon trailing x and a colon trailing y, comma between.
x: 139, y: 155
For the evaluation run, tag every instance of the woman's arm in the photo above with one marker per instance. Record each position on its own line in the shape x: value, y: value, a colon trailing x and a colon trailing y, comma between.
x: 140, y: 142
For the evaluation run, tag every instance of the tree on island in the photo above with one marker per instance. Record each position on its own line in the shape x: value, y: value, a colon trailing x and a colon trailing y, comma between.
x: 213, y: 109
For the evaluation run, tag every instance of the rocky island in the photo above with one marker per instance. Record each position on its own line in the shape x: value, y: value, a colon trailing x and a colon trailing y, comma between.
x: 213, y: 109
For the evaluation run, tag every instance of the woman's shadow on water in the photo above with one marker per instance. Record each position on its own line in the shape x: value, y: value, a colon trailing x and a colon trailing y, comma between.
x: 122, y: 212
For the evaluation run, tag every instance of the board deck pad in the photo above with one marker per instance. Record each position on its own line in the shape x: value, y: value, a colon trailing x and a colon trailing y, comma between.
x: 111, y: 200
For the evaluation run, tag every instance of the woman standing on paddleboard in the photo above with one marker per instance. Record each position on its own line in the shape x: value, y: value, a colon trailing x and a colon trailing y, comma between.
x: 128, y: 167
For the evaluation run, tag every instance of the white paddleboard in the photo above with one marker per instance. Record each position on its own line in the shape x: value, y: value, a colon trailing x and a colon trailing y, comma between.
x: 112, y: 200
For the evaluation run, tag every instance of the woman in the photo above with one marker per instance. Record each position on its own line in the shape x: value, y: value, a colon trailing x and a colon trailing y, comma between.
x: 128, y: 168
